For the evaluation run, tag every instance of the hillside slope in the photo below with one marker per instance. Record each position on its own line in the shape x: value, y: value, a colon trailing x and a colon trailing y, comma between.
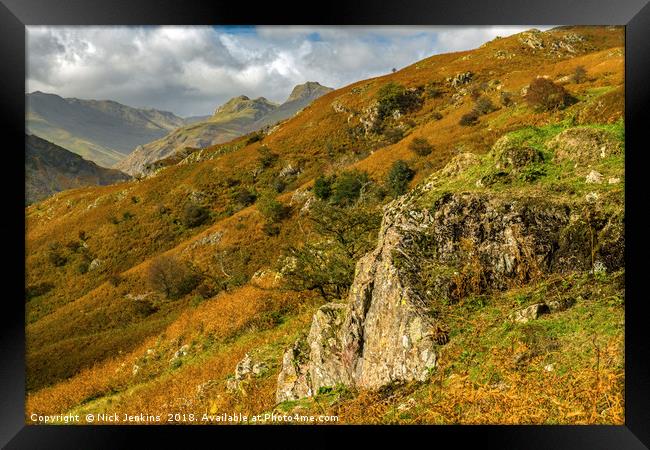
x: 50, y: 169
x: 265, y: 234
x: 102, y: 131
x: 238, y: 116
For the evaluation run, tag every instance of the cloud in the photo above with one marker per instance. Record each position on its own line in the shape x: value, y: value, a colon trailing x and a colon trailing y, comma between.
x: 191, y: 70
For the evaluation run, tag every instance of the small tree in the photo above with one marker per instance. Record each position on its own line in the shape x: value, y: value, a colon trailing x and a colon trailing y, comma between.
x: 420, y: 146
x: 580, y: 75
x: 172, y: 277
x: 326, y: 264
x: 398, y: 178
x: 347, y: 187
x: 544, y: 95
x: 323, y: 187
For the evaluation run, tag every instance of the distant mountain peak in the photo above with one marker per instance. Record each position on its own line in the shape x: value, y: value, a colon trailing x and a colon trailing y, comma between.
x: 243, y: 102
x: 310, y: 89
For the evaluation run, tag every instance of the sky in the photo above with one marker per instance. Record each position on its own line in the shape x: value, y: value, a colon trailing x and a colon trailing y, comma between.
x: 191, y: 70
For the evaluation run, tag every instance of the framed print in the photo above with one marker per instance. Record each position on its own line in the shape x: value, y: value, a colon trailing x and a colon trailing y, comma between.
x: 410, y: 218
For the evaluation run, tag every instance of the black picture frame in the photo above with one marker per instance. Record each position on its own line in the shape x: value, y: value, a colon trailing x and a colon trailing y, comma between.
x: 634, y: 14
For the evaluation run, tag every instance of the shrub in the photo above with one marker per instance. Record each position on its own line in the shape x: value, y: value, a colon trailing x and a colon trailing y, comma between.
x: 544, y: 95
x: 433, y: 90
x: 127, y: 215
x: 436, y: 115
x: 279, y: 186
x: 506, y: 98
x: 323, y: 187
x: 272, y: 210
x: 83, y: 266
x: 270, y: 229
x: 245, y: 197
x: 580, y: 75
x: 194, y: 215
x: 115, y: 279
x: 347, y: 187
x: 420, y: 146
x: 173, y: 278
x: 484, y: 105
x: 83, y: 236
x: 55, y: 256
x: 267, y: 158
x: 393, y: 134
x: 36, y: 290
x: 395, y: 97
x: 255, y: 137
x: 398, y: 178
x: 468, y: 119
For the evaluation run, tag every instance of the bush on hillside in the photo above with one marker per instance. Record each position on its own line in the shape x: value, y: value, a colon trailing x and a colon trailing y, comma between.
x: 579, y: 75
x: 484, y: 105
x: 420, y: 146
x: 267, y: 158
x: 395, y: 97
x: 272, y: 210
x: 194, y: 215
x: 398, y: 178
x: 171, y: 277
x: 245, y: 197
x: 56, y: 256
x: 323, y: 187
x: 255, y: 137
x: 544, y: 95
x: 347, y: 187
x: 471, y: 118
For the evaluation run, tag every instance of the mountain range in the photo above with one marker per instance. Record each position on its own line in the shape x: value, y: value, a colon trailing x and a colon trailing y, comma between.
x: 103, y: 131
x: 238, y: 116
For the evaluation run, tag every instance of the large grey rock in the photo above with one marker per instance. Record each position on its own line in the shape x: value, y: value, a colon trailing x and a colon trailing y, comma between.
x: 385, y: 331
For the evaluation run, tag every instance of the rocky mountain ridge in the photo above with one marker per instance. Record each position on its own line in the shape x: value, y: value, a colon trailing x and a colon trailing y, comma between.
x: 238, y: 116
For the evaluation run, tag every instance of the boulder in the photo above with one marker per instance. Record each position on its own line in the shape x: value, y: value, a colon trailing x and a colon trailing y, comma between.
x: 529, y: 313
x: 584, y: 145
x: 508, y: 154
x: 459, y: 164
x: 594, y: 177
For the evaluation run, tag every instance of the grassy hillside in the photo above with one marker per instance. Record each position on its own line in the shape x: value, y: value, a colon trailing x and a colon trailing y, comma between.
x: 227, y: 218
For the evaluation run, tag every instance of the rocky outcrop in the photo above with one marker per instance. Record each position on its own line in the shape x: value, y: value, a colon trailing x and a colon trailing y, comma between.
x: 465, y: 243
x: 584, y: 145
